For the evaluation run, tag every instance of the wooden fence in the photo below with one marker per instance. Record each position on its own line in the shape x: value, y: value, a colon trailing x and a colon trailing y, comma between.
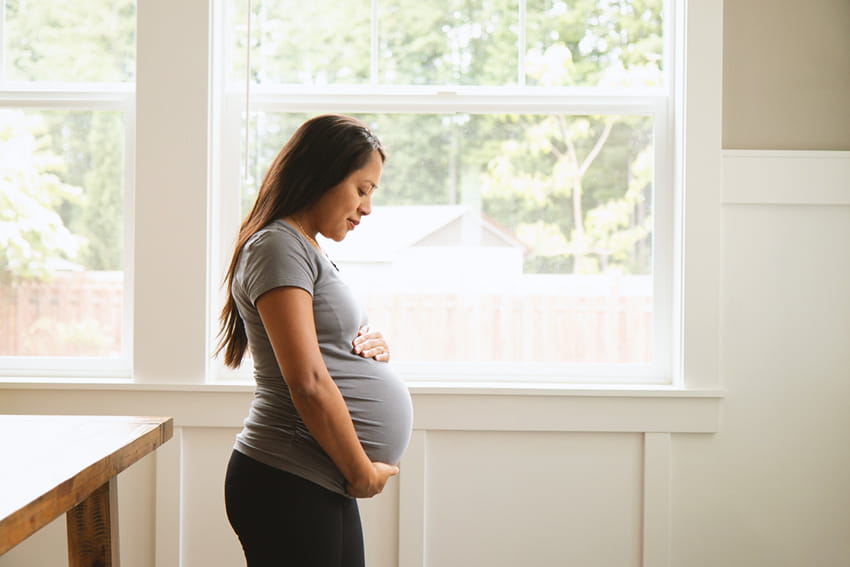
x: 72, y: 314
x: 79, y: 314
x: 495, y: 327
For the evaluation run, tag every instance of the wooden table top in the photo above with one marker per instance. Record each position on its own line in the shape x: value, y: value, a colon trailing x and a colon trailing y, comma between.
x: 49, y: 464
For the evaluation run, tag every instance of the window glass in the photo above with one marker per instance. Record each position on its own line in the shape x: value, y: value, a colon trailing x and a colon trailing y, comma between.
x: 61, y: 233
x: 84, y: 40
x: 317, y: 42
x: 521, y: 238
x: 610, y: 43
x: 515, y: 223
x: 451, y: 42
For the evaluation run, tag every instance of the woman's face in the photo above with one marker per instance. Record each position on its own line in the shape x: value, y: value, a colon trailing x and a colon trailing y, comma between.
x: 340, y: 209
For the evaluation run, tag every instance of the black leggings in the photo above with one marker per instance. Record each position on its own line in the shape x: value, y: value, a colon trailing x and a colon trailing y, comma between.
x: 282, y: 519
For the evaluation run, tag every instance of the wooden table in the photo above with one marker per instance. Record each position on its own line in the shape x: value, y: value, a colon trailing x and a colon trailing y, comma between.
x: 52, y: 465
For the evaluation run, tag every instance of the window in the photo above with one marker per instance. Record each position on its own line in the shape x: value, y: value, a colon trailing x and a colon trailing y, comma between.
x: 66, y: 123
x: 524, y: 223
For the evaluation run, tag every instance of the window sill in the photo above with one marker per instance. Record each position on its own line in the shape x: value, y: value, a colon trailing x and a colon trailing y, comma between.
x: 437, y: 406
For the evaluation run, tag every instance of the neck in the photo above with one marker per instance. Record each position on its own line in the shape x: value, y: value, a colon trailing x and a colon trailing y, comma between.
x: 300, y: 226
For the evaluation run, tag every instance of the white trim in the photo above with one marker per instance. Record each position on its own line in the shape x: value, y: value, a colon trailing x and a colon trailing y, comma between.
x: 413, y: 503
x: 453, y: 99
x: 85, y: 97
x: 677, y: 68
x: 169, y: 503
x: 218, y: 52
x: 657, y: 500
x: 701, y: 220
x: 70, y: 96
x: 565, y: 413
x: 170, y: 305
x: 761, y: 177
x: 438, y: 409
x: 654, y: 414
x: 664, y: 280
x: 656, y: 102
x: 53, y: 368
x: 129, y: 220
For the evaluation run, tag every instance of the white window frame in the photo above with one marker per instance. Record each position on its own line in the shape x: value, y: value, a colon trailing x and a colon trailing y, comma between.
x: 106, y: 96
x: 659, y: 103
x: 174, y: 160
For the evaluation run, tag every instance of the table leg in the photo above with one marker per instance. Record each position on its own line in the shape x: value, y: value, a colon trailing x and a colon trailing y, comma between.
x: 93, y: 529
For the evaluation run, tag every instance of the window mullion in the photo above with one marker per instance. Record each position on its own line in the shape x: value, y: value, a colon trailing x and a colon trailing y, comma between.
x: 450, y: 102
x: 67, y: 97
x: 373, y: 51
x: 521, y: 47
x: 2, y: 43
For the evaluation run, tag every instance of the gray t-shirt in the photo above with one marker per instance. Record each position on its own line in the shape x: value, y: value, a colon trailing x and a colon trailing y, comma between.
x: 377, y: 399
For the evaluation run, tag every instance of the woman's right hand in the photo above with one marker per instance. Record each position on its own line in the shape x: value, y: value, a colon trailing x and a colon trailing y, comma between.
x: 374, y: 484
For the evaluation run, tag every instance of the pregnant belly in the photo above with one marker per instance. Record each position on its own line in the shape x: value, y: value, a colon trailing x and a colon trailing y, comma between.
x: 380, y: 407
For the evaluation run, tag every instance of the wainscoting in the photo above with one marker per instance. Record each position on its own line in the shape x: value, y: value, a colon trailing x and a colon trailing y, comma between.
x: 572, y: 477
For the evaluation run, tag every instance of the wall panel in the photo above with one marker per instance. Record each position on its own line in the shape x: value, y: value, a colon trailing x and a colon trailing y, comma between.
x: 534, y: 499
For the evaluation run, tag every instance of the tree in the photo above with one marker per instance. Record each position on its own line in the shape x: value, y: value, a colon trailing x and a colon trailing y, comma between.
x: 84, y: 40
x: 567, y: 185
x: 88, y: 40
x: 33, y: 237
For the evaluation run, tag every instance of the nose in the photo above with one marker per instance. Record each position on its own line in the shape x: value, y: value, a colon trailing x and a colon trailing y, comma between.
x: 365, y: 205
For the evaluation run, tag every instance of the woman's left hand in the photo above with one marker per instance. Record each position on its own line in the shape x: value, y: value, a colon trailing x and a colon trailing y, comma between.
x: 371, y: 344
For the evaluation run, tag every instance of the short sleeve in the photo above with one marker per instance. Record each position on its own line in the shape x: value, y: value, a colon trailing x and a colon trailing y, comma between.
x: 276, y: 258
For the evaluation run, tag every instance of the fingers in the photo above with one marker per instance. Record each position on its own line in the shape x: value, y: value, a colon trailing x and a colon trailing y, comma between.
x: 381, y: 473
x: 371, y: 344
x: 382, y: 357
x: 378, y: 351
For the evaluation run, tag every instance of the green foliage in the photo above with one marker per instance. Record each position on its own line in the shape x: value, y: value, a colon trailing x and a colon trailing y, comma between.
x: 62, y: 175
x: 567, y: 187
x: 91, y: 145
x: 575, y: 189
x: 33, y: 237
x: 316, y: 42
x: 84, y: 40
x: 100, y: 215
x: 448, y: 42
x: 74, y: 164
x: 597, y: 42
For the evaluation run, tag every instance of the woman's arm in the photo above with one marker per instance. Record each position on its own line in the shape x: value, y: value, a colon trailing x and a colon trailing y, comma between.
x: 287, y: 314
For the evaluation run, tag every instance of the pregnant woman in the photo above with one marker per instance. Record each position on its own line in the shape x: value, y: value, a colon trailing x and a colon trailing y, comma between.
x: 329, y: 420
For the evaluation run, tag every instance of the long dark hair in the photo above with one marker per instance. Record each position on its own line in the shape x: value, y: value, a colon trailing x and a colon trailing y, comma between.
x: 320, y: 154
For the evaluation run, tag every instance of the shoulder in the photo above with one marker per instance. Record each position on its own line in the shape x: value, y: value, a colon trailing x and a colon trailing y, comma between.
x: 277, y: 239
x: 276, y: 233
x: 275, y: 256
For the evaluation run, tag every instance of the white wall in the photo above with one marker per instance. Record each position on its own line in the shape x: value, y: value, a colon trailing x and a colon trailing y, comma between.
x: 772, y: 487
x: 576, y: 477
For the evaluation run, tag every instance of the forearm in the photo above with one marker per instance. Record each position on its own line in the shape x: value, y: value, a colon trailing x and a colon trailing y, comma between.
x: 324, y: 412
x: 287, y: 314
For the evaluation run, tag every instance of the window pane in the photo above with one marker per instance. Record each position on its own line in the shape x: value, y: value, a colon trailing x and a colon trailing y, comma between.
x: 316, y: 42
x: 452, y: 42
x: 609, y: 43
x: 517, y: 238
x: 61, y: 233
x: 84, y: 40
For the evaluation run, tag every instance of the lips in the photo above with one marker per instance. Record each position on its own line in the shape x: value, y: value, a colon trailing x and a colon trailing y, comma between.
x: 352, y: 223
